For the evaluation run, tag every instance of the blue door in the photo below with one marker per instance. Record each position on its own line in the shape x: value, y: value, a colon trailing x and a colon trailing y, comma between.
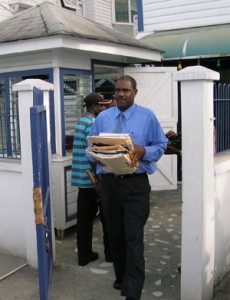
x: 41, y: 194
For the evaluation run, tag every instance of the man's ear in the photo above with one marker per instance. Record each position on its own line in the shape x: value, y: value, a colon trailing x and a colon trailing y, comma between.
x: 136, y: 91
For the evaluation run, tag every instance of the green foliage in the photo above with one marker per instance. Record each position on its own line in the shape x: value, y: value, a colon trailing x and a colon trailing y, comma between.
x: 217, y: 284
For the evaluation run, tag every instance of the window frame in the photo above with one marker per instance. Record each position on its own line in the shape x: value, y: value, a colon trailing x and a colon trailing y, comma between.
x: 130, y: 21
x: 63, y: 72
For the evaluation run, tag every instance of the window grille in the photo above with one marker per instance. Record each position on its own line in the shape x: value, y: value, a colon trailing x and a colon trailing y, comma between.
x: 10, y: 144
x: 76, y: 87
x: 9, y: 121
x: 3, y: 118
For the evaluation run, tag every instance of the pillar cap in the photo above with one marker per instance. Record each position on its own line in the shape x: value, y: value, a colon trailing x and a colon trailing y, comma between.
x: 196, y: 73
x: 29, y: 84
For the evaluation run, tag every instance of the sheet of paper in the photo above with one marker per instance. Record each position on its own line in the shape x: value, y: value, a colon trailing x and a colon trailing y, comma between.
x: 112, y: 139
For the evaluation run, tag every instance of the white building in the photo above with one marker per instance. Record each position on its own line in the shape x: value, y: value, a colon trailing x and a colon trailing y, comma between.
x: 190, y: 32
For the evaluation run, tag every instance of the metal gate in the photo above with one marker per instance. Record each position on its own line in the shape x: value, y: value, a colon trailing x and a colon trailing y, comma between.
x: 222, y: 116
x: 41, y: 194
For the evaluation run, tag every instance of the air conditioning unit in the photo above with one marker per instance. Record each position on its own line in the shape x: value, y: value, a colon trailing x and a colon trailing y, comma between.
x: 72, y: 4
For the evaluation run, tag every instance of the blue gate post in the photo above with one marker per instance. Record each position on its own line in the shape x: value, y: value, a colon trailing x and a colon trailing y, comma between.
x: 36, y: 163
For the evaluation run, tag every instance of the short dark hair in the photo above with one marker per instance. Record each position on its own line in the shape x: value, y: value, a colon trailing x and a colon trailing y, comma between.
x: 129, y: 78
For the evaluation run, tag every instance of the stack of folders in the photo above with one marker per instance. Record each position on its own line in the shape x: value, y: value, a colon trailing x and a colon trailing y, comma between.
x: 113, y: 151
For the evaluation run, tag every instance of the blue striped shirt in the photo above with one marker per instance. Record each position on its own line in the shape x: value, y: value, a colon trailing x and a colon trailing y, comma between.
x: 142, y: 125
x: 80, y: 162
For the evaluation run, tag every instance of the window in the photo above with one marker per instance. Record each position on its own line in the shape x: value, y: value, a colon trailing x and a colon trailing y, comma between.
x: 75, y: 85
x: 10, y: 146
x: 125, y: 10
x: 9, y: 123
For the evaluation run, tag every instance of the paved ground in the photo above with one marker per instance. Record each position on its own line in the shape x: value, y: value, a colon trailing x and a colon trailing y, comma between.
x: 93, y: 282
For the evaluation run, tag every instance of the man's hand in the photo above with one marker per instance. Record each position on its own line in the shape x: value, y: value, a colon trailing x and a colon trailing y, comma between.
x: 171, y: 134
x: 172, y: 150
x: 174, y: 145
x: 137, y: 154
x: 100, y: 163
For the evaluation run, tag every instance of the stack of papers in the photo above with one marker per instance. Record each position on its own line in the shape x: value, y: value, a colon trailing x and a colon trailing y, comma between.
x: 112, y: 139
x: 113, y: 151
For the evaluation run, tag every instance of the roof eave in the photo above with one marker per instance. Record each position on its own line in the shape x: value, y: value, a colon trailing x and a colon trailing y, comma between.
x: 81, y: 44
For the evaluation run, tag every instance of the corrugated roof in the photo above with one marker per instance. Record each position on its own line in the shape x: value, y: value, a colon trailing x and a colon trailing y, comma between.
x: 48, y: 19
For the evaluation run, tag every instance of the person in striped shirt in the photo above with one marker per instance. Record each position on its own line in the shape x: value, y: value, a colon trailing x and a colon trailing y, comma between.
x: 87, y: 202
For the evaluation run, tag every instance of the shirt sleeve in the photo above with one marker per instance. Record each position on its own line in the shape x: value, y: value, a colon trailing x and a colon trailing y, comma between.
x: 157, y: 145
x: 154, y: 153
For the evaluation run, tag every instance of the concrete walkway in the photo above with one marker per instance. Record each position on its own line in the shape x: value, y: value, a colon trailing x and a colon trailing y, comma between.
x: 95, y: 281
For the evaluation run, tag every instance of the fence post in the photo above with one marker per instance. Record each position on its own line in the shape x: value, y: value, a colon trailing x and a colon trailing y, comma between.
x: 198, y: 223
x: 25, y: 101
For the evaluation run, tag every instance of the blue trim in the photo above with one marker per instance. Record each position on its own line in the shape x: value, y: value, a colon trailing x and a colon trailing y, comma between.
x: 93, y: 82
x: 107, y: 63
x: 34, y: 143
x: 63, y: 72
x: 140, y: 16
x: 41, y: 180
x: 52, y: 115
x: 38, y: 97
x: 28, y: 73
x: 9, y: 145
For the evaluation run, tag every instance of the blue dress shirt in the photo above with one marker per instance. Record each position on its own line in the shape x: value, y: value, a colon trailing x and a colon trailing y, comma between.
x: 142, y: 126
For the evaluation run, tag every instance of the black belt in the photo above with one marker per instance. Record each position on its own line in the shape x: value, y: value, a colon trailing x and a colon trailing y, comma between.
x: 123, y: 176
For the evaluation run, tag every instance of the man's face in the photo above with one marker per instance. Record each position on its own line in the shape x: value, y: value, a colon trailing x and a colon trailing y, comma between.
x: 124, y: 94
x: 98, y: 108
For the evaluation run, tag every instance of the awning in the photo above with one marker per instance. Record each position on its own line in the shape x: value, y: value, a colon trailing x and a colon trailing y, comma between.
x: 212, y: 41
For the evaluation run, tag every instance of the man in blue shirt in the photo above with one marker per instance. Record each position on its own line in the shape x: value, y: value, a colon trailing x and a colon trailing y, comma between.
x: 125, y: 198
x: 87, y: 202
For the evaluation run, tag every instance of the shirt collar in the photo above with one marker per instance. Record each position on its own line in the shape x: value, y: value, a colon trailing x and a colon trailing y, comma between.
x: 127, y: 113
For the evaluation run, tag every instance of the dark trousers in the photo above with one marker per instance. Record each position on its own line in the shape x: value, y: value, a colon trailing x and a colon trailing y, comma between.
x: 125, y: 203
x: 87, y: 207
x: 107, y: 250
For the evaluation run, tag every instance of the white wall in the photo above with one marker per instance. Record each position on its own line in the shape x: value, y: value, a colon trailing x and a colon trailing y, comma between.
x: 12, y: 209
x: 99, y: 11
x: 89, y: 9
x: 222, y: 209
x: 176, y: 14
x: 104, y: 12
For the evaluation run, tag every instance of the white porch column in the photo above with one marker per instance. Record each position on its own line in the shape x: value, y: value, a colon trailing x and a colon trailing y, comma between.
x: 25, y: 101
x: 197, y: 264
